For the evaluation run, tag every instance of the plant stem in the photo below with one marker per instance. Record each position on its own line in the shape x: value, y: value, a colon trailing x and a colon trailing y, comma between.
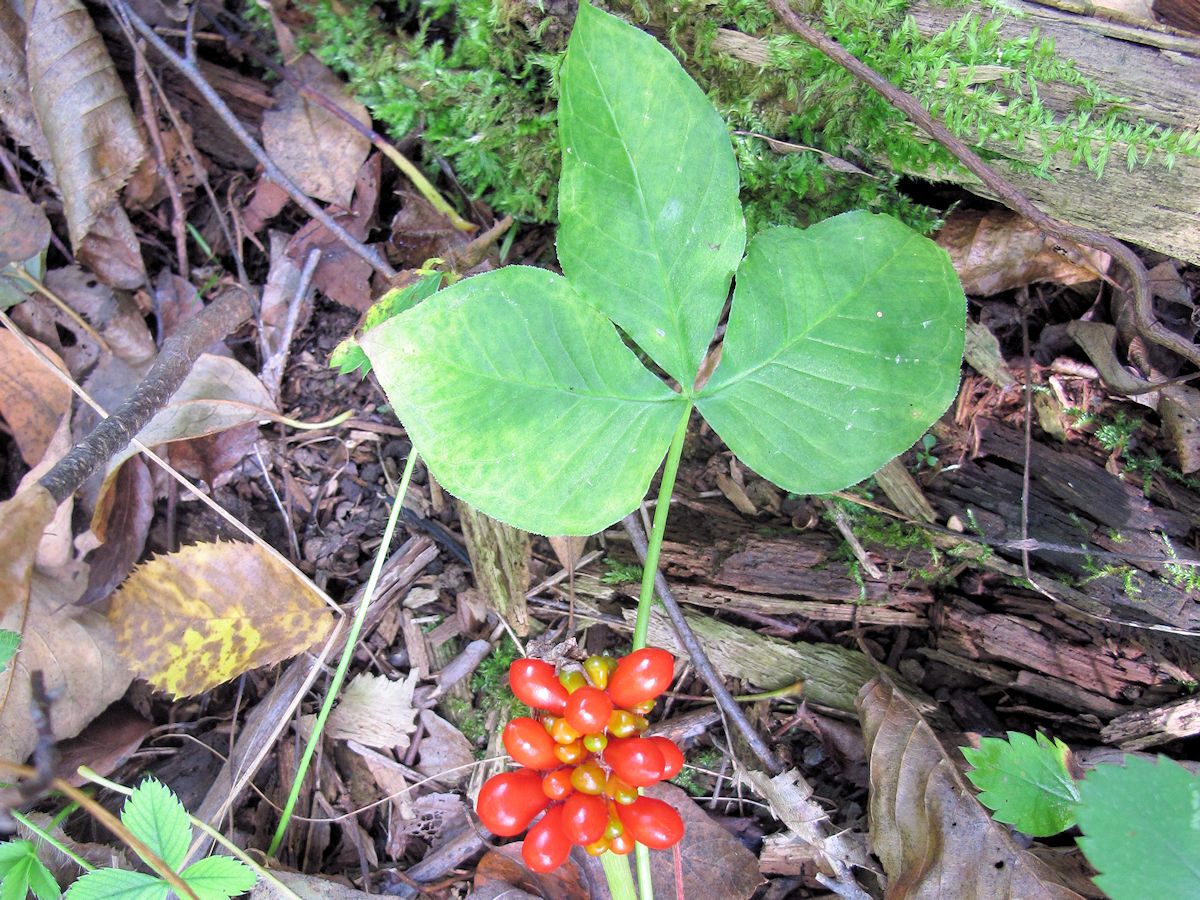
x: 641, y: 853
x: 658, y: 529
x: 618, y: 876
x: 360, y: 616
x: 54, y: 842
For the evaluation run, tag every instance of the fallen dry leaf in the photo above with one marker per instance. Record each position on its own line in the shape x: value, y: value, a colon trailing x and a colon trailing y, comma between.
x: 189, y: 621
x: 24, y: 228
x: 375, y: 712
x: 445, y: 752
x: 74, y: 651
x: 112, y: 250
x: 16, y: 105
x: 314, y: 147
x: 122, y: 525
x: 33, y: 401
x: 998, y: 250
x: 64, y: 869
x: 93, y: 138
x: 109, y: 740
x: 307, y: 887
x: 23, y: 519
x: 114, y: 315
x: 501, y: 875
x: 931, y: 834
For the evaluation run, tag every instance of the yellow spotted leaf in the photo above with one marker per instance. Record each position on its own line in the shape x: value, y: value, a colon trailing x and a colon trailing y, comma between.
x: 191, y: 620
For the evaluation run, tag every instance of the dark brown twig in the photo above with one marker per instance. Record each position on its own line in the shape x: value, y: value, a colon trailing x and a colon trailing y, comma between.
x: 704, y: 668
x: 1143, y: 303
x: 178, y: 354
x: 188, y: 69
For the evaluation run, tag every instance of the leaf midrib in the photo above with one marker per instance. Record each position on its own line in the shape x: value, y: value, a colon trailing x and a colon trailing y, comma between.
x: 739, y: 377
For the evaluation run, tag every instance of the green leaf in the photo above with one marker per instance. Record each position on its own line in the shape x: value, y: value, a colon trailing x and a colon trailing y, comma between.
x: 348, y: 356
x: 1141, y: 828
x: 650, y: 225
x: 117, y: 884
x: 21, y: 872
x: 9, y: 642
x: 156, y: 816
x: 1025, y: 782
x: 219, y: 877
x: 843, y: 345
x: 524, y: 402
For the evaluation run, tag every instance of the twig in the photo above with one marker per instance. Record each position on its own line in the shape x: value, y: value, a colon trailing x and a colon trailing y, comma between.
x: 1143, y: 303
x: 150, y: 117
x: 704, y: 668
x: 188, y: 69
x: 172, y: 366
x: 272, y: 373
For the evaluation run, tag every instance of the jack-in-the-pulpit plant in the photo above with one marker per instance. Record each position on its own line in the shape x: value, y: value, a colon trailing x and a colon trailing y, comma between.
x: 843, y: 343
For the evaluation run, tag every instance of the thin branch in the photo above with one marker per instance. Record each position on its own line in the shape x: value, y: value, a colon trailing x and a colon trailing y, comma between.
x: 704, y: 668
x: 1143, y: 303
x: 172, y: 366
x: 188, y: 69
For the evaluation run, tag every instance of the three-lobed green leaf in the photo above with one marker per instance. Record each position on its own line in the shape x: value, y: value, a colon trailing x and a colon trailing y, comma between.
x: 1025, y: 782
x: 21, y: 872
x: 843, y: 345
x: 1141, y: 828
x: 156, y: 817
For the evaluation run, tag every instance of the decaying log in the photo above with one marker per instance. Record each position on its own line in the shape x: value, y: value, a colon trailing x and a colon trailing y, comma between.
x: 1144, y: 728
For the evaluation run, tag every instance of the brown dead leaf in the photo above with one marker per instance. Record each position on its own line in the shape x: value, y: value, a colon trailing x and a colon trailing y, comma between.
x: 114, y: 315
x: 32, y: 400
x: 24, y: 228
x: 375, y: 712
x: 267, y: 201
x: 112, y: 250
x: 122, y: 524
x: 341, y: 274
x: 191, y: 620
x: 108, y: 741
x: 64, y: 869
x: 74, y: 651
x: 318, y: 150
x: 307, y: 887
x: 933, y: 837
x: 16, y: 105
x: 176, y: 300
x: 22, y: 521
x: 420, y: 232
x: 501, y: 875
x: 445, y: 752
x: 84, y: 112
x: 998, y: 250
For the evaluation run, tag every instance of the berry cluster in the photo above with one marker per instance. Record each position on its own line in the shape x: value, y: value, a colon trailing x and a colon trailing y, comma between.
x: 585, y: 760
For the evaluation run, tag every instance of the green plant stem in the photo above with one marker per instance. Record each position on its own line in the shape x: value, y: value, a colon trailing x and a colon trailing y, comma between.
x: 646, y: 600
x: 339, y: 675
x: 658, y: 529
x: 54, y: 842
x: 618, y: 876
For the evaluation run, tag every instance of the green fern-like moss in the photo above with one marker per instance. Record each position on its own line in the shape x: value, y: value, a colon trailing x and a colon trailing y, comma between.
x: 476, y: 79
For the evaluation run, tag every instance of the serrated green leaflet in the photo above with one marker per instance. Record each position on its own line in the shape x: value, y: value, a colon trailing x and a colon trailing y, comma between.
x: 218, y: 877
x: 1025, y: 782
x: 156, y: 816
x: 9, y: 642
x: 843, y: 345
x: 117, y: 884
x: 650, y: 225
x: 524, y: 402
x: 1141, y: 826
x: 21, y: 872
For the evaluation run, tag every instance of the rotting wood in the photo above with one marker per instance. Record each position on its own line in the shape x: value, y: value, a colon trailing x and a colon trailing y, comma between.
x: 500, y: 564
x: 1144, y: 728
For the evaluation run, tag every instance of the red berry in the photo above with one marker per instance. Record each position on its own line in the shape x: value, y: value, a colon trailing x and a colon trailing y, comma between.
x: 641, y: 676
x: 546, y: 847
x: 557, y: 784
x: 508, y: 802
x: 672, y: 755
x: 528, y: 744
x: 588, y: 710
x: 534, y: 683
x: 621, y: 844
x: 651, y: 822
x: 636, y: 761
x: 584, y: 818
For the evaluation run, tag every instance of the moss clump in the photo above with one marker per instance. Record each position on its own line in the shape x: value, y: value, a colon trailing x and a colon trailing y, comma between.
x: 476, y: 78
x: 491, y: 693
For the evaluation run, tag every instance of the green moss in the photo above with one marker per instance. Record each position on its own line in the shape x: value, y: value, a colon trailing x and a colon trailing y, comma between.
x: 475, y: 78
x: 491, y: 692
